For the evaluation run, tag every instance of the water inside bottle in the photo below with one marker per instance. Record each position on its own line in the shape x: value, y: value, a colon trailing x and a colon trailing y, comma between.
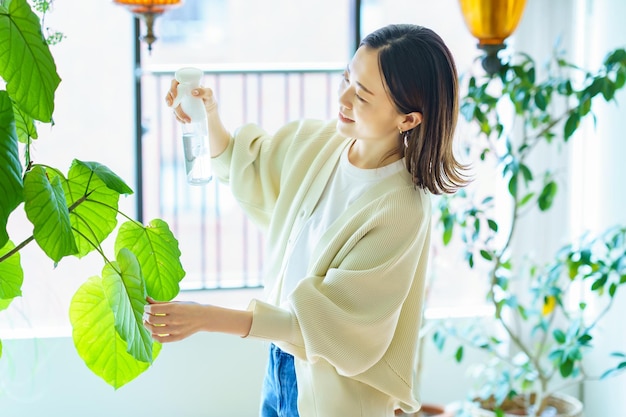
x: 197, y: 158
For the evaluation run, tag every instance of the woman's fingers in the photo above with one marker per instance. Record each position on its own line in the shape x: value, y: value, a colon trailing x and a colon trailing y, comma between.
x: 170, y: 321
x: 157, y: 325
x: 171, y: 94
x: 206, y: 94
x: 172, y: 100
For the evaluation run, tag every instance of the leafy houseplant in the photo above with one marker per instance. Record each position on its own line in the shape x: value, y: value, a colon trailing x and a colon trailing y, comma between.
x: 543, y: 331
x: 73, y: 213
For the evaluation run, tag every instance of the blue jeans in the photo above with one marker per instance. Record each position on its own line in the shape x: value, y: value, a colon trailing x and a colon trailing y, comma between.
x: 280, y: 389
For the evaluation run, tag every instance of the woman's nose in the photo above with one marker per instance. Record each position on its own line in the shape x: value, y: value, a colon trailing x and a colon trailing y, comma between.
x: 344, y: 95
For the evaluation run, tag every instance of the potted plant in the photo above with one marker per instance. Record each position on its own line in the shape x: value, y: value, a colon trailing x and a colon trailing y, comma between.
x: 543, y: 329
x: 73, y: 213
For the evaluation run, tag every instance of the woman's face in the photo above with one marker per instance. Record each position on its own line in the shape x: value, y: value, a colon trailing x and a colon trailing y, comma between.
x: 365, y: 109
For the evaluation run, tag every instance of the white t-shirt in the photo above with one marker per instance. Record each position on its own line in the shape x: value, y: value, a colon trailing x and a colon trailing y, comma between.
x: 346, y: 185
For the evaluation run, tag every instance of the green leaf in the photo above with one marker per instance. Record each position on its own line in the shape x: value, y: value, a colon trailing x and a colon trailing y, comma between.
x: 157, y: 251
x: 526, y: 172
x: 11, y: 273
x: 95, y: 338
x: 448, y: 227
x: 467, y: 110
x: 93, y: 207
x: 447, y: 235
x: 439, y: 339
x: 540, y: 100
x: 599, y: 283
x: 565, y: 87
x: 572, y: 123
x: 458, y: 356
x: 27, y: 65
x: 107, y: 176
x: 45, y: 207
x: 619, y: 368
x: 559, y: 336
x: 513, y: 185
x: 546, y: 198
x: 556, y: 355
x: 620, y: 80
x: 125, y: 290
x: 608, y: 89
x: 470, y: 260
x: 584, y: 339
x: 486, y: 255
x: 566, y: 367
x: 492, y: 225
x: 525, y: 199
x: 11, y: 187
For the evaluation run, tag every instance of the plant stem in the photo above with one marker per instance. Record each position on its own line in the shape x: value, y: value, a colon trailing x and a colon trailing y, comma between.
x: 96, y: 247
x: 17, y: 248
x: 537, y: 137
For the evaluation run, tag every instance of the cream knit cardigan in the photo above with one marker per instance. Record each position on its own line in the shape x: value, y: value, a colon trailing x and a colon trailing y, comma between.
x: 352, y: 323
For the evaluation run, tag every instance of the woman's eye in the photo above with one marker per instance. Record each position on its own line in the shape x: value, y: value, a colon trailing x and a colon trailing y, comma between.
x: 358, y: 97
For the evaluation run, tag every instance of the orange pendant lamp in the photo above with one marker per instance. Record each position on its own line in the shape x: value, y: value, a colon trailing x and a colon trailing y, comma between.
x: 491, y: 22
x: 148, y: 10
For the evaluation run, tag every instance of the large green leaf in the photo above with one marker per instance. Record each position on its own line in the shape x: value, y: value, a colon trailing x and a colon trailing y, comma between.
x: 126, y: 292
x: 45, y: 206
x: 11, y: 274
x: 10, y: 167
x: 93, y: 207
x: 26, y: 63
x: 96, y: 339
x: 157, y: 251
x: 107, y: 176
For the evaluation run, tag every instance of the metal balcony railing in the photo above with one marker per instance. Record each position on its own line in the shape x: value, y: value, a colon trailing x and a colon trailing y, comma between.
x: 220, y: 247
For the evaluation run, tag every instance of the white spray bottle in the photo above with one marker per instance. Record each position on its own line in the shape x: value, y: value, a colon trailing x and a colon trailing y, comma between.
x: 195, y: 134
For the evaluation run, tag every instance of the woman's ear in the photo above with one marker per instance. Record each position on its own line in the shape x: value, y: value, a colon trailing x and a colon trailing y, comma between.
x: 410, y: 121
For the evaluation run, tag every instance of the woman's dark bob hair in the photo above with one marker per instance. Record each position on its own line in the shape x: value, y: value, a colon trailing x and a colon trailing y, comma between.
x: 421, y: 76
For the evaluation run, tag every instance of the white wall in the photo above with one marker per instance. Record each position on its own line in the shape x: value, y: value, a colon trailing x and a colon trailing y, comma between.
x: 594, y: 198
x: 208, y: 375
x: 601, y: 199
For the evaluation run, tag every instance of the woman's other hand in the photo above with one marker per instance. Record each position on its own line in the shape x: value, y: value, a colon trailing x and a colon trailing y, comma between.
x: 206, y: 94
x: 174, y: 321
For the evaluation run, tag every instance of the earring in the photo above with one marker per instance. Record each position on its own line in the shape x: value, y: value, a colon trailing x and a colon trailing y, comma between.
x: 404, y: 136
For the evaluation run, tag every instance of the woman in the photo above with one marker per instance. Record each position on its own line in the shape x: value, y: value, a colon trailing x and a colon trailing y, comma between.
x: 346, y: 206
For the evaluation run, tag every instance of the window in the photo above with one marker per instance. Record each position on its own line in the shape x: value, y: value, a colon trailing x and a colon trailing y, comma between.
x: 256, y: 80
x: 269, y: 61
